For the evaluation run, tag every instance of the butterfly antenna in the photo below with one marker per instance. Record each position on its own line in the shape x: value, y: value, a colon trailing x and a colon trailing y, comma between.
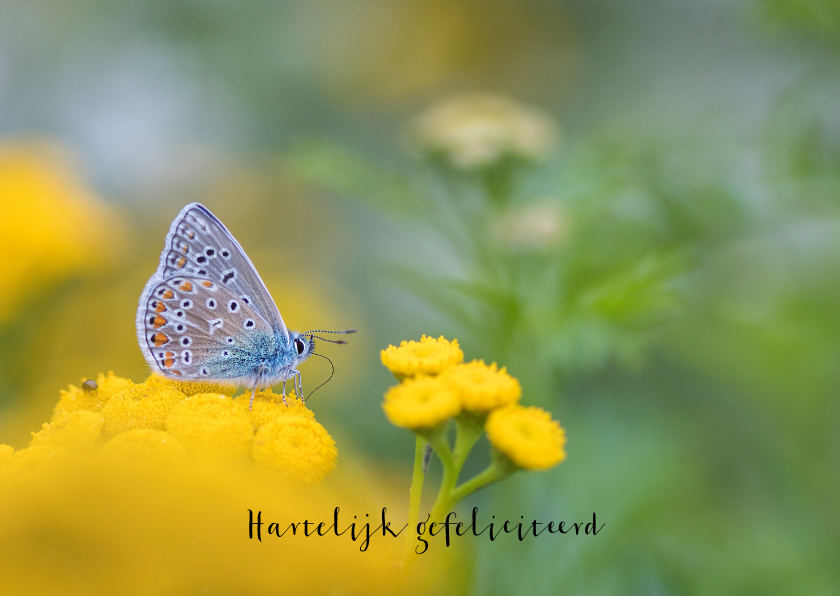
x: 332, y: 341
x: 325, y: 331
x: 325, y: 382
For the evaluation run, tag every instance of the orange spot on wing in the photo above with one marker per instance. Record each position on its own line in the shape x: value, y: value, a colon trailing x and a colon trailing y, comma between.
x: 168, y: 295
x: 160, y: 307
x: 175, y: 372
x: 180, y: 262
x: 190, y: 235
x: 186, y: 286
x: 159, y: 322
x: 169, y: 363
x: 170, y: 355
x: 159, y: 339
x: 207, y: 284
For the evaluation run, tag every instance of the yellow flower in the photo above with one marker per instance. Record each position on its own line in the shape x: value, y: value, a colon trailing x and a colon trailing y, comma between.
x: 298, y: 449
x: 269, y: 406
x: 428, y: 356
x: 145, y: 444
x: 71, y: 430
x: 421, y: 402
x: 81, y: 398
x: 211, y: 425
x: 482, y: 388
x: 528, y: 436
x: 474, y: 131
x: 191, y: 387
x: 141, y: 406
x: 52, y: 226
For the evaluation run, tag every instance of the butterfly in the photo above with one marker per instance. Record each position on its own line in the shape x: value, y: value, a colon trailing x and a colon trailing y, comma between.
x: 206, y: 314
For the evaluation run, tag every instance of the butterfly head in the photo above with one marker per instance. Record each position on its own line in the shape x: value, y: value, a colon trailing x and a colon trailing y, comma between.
x: 302, y: 344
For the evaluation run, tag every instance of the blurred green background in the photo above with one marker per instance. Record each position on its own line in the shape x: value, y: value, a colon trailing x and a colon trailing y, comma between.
x: 656, y: 258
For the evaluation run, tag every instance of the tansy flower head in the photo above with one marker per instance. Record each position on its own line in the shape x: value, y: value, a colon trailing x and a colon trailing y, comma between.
x: 528, y: 436
x: 191, y: 387
x: 428, y: 356
x: 482, y: 388
x: 269, y: 406
x: 145, y: 444
x: 211, y: 425
x: 422, y: 402
x: 141, y: 406
x: 474, y: 131
x: 71, y: 430
x: 80, y: 398
x: 26, y: 462
x: 298, y: 449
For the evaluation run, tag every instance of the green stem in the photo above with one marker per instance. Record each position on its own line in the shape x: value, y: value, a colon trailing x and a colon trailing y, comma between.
x: 414, y: 495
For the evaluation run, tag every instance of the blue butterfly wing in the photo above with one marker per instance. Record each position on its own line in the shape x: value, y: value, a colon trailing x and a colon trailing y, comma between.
x: 199, y: 245
x: 193, y: 328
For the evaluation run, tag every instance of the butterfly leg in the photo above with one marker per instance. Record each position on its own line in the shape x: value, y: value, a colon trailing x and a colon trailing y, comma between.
x: 253, y: 392
x: 300, y: 386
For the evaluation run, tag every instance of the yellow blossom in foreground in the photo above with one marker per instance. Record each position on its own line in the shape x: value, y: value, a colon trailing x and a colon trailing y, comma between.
x: 211, y: 425
x: 141, y: 406
x: 474, y: 131
x: 72, y: 430
x: 145, y: 444
x: 298, y: 449
x: 269, y: 406
x: 482, y: 388
x: 528, y: 436
x: 79, y: 398
x: 428, y: 356
x: 422, y: 402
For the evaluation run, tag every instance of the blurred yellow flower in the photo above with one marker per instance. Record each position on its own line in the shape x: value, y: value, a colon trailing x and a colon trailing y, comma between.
x: 299, y: 449
x: 70, y: 430
x: 269, y: 406
x: 480, y: 387
x: 534, y: 227
x: 211, y: 425
x: 52, y: 226
x: 421, y: 402
x: 145, y: 444
x: 528, y: 436
x: 475, y: 131
x: 429, y: 356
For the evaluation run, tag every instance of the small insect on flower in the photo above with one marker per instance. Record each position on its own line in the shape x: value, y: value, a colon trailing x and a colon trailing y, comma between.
x: 89, y: 386
x: 206, y: 315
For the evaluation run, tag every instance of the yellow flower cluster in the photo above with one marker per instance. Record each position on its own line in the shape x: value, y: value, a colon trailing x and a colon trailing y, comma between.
x: 169, y: 419
x: 52, y: 226
x: 436, y: 386
x: 474, y: 131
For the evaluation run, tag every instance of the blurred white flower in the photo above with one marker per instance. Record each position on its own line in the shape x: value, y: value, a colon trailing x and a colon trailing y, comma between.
x: 535, y: 227
x: 473, y: 131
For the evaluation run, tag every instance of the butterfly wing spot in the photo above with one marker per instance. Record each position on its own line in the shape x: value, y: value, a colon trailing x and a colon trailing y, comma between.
x: 246, y: 299
x: 169, y: 363
x: 180, y: 262
x: 225, y: 253
x: 205, y: 372
x: 186, y: 304
x: 159, y: 306
x: 211, y: 303
x: 233, y: 306
x: 228, y: 276
x: 230, y: 340
x: 210, y: 252
x: 175, y: 372
x: 201, y: 260
x: 249, y: 323
x: 186, y: 342
x: 186, y: 287
x: 159, y: 339
x: 186, y: 357
x: 167, y: 294
x: 180, y: 328
x: 215, y: 324
x: 226, y: 353
x: 158, y: 322
x: 179, y: 314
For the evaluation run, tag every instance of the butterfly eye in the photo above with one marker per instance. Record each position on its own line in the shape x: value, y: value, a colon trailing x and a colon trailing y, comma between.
x: 299, y: 346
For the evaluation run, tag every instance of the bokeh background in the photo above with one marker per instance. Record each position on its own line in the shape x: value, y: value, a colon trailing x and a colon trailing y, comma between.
x: 639, y: 215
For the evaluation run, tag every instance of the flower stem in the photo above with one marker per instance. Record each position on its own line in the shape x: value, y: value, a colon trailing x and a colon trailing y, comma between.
x: 414, y: 495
